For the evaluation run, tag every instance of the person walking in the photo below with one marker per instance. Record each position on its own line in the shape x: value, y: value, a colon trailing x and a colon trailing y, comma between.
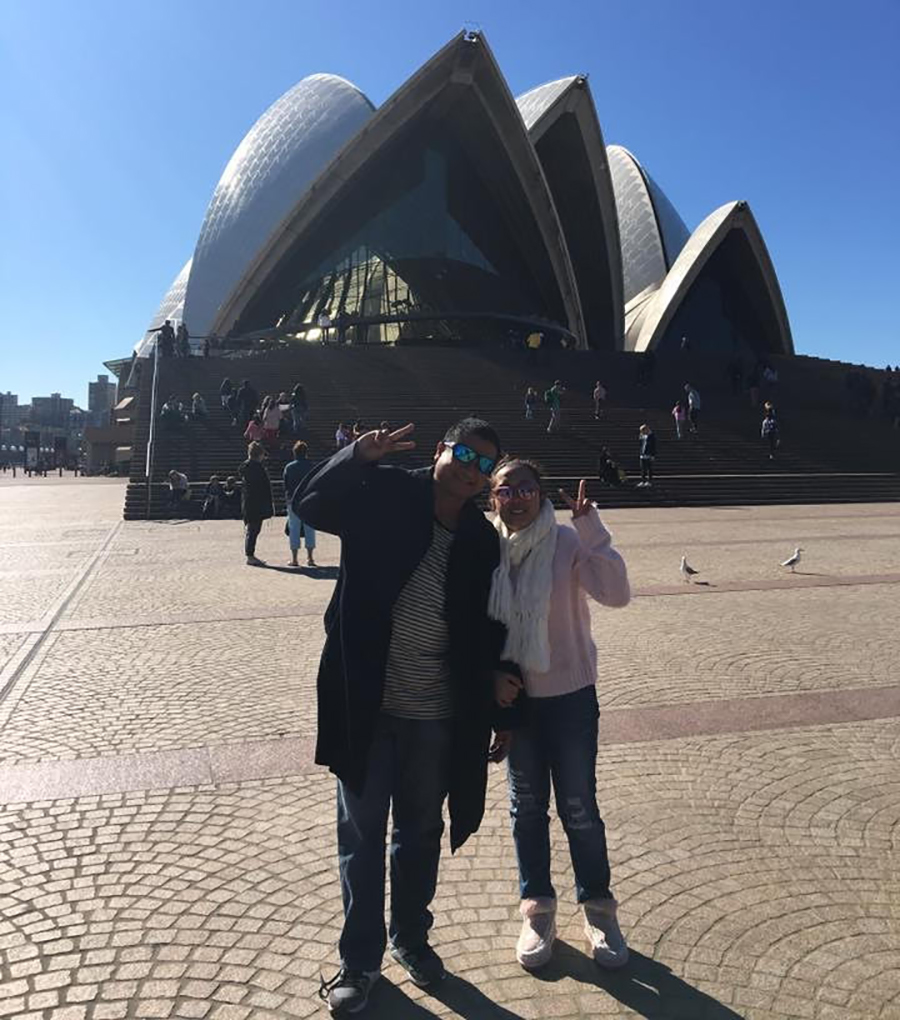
x: 270, y: 414
x: 166, y: 340
x: 294, y: 473
x: 246, y: 402
x: 183, y: 340
x: 539, y: 592
x: 599, y: 398
x: 226, y: 395
x: 405, y: 685
x: 693, y: 399
x: 647, y: 455
x: 680, y: 416
x: 299, y: 408
x: 531, y: 401
x: 256, y: 500
x: 769, y: 430
x: 553, y: 399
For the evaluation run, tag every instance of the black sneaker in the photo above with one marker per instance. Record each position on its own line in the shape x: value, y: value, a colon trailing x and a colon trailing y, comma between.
x: 348, y: 991
x: 423, y: 964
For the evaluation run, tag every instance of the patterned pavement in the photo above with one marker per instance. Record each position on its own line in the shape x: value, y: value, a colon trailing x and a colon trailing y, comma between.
x: 167, y: 846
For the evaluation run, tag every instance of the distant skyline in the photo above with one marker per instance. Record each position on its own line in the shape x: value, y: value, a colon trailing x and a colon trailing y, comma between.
x: 119, y: 120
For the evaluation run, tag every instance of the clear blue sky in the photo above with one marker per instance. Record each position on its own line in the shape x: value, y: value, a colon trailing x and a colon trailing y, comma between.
x: 118, y: 118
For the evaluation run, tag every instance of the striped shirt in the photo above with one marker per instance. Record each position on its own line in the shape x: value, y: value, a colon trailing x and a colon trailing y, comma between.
x: 417, y: 677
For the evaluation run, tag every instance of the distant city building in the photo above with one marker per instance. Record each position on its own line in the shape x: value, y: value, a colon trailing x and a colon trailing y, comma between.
x: 9, y: 410
x: 52, y: 411
x: 101, y: 400
x: 452, y: 213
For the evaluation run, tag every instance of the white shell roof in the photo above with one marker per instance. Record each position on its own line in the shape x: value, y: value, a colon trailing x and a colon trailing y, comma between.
x: 170, y: 307
x: 279, y: 158
x: 651, y: 231
x: 534, y: 103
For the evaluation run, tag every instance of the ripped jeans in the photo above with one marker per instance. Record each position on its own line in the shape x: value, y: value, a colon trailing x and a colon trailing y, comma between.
x: 559, y: 740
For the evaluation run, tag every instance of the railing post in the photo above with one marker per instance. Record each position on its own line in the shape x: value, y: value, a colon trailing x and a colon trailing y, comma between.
x: 151, y: 434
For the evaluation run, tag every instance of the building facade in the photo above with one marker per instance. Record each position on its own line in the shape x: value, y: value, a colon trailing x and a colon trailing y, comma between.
x: 455, y: 213
x: 101, y: 400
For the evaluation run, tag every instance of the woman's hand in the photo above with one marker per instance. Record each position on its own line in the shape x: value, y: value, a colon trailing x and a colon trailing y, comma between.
x: 506, y: 688
x: 500, y: 747
x: 579, y: 506
x: 374, y: 445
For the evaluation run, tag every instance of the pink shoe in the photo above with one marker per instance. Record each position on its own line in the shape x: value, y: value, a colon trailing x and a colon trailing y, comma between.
x: 535, y: 945
x: 603, y: 933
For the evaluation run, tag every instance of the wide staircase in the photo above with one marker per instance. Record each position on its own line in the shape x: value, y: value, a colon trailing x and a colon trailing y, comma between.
x: 828, y: 453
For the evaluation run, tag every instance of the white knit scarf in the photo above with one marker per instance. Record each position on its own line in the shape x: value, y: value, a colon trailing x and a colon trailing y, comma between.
x: 525, y: 610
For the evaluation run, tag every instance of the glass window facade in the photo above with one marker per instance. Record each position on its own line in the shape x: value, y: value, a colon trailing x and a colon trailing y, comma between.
x: 413, y: 247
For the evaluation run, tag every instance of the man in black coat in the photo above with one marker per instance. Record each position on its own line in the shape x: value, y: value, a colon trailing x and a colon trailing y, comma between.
x: 405, y: 686
x: 256, y: 500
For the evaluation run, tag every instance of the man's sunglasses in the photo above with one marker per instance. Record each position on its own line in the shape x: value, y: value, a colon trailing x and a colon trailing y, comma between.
x: 504, y: 493
x: 466, y: 455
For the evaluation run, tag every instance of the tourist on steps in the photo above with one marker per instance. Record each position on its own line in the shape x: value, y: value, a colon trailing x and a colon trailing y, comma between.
x: 680, y: 416
x: 538, y: 591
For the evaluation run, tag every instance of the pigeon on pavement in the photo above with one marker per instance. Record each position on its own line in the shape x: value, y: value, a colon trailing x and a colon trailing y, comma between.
x: 687, y: 571
x: 793, y: 560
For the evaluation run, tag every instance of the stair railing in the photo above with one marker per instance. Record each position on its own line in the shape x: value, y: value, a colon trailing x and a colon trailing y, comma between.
x: 151, y: 434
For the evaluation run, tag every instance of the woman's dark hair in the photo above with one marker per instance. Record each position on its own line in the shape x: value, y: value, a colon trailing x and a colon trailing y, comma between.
x: 509, y: 463
x: 473, y: 427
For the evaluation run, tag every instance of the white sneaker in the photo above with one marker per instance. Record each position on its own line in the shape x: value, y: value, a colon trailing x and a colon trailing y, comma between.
x: 603, y: 933
x: 535, y: 945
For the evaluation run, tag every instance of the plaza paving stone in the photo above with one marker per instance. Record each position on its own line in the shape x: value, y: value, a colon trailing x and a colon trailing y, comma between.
x: 758, y: 870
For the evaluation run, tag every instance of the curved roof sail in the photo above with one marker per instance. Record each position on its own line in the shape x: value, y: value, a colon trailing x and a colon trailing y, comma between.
x: 651, y: 231
x: 277, y: 161
x: 171, y: 307
x: 728, y: 245
x: 457, y: 98
x: 563, y: 127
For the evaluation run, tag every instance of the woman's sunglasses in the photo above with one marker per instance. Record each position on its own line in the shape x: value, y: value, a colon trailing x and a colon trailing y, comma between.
x: 466, y: 455
x: 504, y: 493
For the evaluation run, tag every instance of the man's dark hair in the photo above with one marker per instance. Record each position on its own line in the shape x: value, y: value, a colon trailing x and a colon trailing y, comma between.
x: 473, y: 427
x: 299, y: 448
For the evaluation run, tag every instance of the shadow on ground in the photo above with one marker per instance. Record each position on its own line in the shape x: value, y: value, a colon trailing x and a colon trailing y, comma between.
x: 389, y: 1002
x: 316, y: 573
x: 644, y: 985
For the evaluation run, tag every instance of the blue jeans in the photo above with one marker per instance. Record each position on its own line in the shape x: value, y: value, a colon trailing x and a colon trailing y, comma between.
x: 295, y: 526
x: 558, y: 741
x: 409, y: 765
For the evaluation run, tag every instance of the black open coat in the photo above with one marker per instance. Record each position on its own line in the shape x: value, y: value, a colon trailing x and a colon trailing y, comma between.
x: 384, y: 516
x: 256, y: 492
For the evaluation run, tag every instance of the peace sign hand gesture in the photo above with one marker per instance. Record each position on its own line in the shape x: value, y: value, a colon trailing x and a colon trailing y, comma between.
x: 374, y: 445
x: 580, y: 505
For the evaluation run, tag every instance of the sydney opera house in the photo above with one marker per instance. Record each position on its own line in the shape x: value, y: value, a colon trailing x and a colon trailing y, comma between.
x: 457, y: 212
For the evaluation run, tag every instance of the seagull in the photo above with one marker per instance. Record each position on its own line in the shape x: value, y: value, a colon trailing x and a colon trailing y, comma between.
x: 687, y: 570
x: 793, y: 560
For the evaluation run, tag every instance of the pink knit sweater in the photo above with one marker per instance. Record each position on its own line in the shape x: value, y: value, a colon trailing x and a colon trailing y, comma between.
x: 584, y: 562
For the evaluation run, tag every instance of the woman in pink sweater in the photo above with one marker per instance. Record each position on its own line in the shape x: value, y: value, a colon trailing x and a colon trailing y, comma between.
x: 539, y: 591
